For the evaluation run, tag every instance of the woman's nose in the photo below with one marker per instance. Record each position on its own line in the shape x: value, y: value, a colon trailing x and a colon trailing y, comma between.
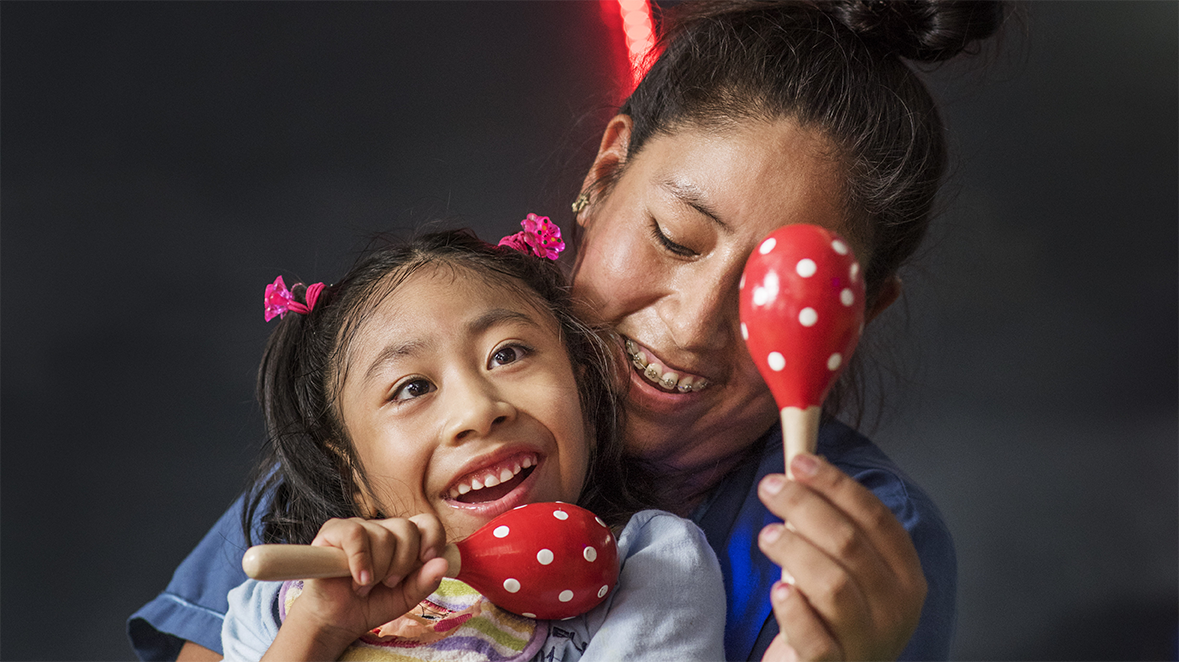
x: 476, y: 408
x: 701, y: 314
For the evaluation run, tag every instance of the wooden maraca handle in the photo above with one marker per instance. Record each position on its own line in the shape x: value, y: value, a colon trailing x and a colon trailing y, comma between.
x: 276, y: 563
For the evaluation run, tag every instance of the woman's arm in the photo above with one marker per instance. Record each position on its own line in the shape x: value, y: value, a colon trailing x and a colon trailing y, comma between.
x: 191, y: 652
x: 858, y: 584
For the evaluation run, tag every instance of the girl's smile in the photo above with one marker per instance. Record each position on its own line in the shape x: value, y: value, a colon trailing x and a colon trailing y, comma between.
x: 460, y: 400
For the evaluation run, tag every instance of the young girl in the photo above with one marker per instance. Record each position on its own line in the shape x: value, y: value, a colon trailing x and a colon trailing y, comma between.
x: 439, y: 384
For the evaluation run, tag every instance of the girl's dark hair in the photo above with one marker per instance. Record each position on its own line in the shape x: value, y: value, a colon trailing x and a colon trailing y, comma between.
x: 838, y: 67
x: 309, y: 471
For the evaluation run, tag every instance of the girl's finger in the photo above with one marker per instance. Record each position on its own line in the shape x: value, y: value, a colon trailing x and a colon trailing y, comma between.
x: 350, y: 535
x: 404, y: 558
x: 433, y: 536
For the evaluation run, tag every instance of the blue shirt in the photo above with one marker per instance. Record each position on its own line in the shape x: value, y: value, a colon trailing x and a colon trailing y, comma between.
x: 193, y: 605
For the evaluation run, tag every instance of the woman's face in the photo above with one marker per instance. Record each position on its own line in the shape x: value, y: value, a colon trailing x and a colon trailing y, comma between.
x: 661, y: 259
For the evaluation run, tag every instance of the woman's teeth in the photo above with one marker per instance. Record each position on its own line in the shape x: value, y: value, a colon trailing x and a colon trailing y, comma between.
x: 660, y: 376
x: 483, y: 480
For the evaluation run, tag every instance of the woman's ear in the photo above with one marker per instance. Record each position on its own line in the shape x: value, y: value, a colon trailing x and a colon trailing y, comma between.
x: 890, y: 291
x: 612, y: 154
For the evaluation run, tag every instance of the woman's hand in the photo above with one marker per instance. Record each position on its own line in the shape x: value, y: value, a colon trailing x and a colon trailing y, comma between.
x: 395, y: 564
x: 857, y: 586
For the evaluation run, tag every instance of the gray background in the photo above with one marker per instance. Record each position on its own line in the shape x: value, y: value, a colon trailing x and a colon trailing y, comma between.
x: 161, y: 162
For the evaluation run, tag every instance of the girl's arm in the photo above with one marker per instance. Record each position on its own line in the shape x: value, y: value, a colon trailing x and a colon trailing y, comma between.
x: 858, y: 584
x: 394, y: 565
x: 669, y: 603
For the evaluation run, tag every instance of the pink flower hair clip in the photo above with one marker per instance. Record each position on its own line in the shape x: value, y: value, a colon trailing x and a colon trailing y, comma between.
x: 279, y: 301
x: 540, y: 236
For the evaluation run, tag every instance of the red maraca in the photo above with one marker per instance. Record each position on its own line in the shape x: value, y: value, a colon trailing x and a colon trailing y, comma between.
x: 802, y: 312
x: 542, y: 560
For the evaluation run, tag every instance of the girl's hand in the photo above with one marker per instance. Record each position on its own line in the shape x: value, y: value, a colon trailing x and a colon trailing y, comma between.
x: 395, y: 564
x: 858, y: 585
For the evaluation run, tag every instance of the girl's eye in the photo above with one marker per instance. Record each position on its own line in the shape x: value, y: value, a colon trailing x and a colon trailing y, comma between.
x: 506, y: 355
x: 414, y: 388
x: 670, y: 245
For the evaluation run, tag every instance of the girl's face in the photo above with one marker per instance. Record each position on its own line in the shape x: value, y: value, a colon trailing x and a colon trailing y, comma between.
x: 460, y: 401
x: 661, y: 259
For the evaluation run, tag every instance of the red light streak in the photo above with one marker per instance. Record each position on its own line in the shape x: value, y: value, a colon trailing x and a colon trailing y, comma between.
x: 639, y: 31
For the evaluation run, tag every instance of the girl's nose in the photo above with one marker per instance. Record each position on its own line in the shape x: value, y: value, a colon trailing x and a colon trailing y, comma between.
x: 475, y: 410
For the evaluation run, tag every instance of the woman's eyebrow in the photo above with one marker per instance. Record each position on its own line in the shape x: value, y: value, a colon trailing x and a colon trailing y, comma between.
x: 692, y: 196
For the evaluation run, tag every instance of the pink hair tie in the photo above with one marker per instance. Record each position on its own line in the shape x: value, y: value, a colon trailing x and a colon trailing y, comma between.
x: 540, y: 236
x: 279, y: 301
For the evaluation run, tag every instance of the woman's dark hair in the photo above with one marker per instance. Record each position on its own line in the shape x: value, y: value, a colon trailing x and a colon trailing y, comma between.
x: 838, y: 67
x: 309, y: 471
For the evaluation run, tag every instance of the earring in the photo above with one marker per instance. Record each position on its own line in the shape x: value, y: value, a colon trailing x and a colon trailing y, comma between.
x: 581, y: 202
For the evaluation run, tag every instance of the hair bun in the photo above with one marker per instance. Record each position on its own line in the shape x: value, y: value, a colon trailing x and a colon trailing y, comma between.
x: 927, y: 30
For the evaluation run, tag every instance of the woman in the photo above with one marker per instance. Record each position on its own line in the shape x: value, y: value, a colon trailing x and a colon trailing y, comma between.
x: 755, y: 115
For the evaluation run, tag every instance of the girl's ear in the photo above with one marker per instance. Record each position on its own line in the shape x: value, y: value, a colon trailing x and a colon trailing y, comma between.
x: 611, y: 155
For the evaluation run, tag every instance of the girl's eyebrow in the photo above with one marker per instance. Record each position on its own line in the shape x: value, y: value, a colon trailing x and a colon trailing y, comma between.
x: 493, y: 317
x: 497, y: 316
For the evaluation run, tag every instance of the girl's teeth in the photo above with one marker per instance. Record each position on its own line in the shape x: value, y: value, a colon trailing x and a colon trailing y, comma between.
x: 491, y: 480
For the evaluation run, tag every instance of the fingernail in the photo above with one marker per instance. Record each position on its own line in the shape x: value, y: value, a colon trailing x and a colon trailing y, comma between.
x: 393, y: 580
x: 771, y: 533
x: 782, y: 591
x: 773, y: 483
x: 363, y: 591
x: 364, y: 578
x: 805, y: 465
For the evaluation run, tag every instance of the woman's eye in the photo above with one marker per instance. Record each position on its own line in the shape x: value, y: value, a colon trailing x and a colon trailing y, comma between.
x: 414, y: 388
x: 506, y: 355
x: 670, y: 245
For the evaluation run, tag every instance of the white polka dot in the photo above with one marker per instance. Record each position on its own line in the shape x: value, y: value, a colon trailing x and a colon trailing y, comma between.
x: 545, y: 556
x: 501, y: 531
x: 744, y: 331
x: 806, y: 267
x: 511, y: 585
x: 839, y: 247
x: 528, y: 614
x: 835, y: 361
x: 560, y: 514
x: 602, y: 591
x: 565, y: 596
x: 741, y: 285
x: 520, y: 506
x: 776, y: 361
x: 599, y: 520
x: 760, y: 296
x: 590, y: 554
x: 854, y: 270
x: 767, y: 245
x: 846, y: 297
x: 808, y: 317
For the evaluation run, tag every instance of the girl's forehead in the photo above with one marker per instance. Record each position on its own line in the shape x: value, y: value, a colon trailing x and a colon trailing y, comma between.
x: 456, y: 290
